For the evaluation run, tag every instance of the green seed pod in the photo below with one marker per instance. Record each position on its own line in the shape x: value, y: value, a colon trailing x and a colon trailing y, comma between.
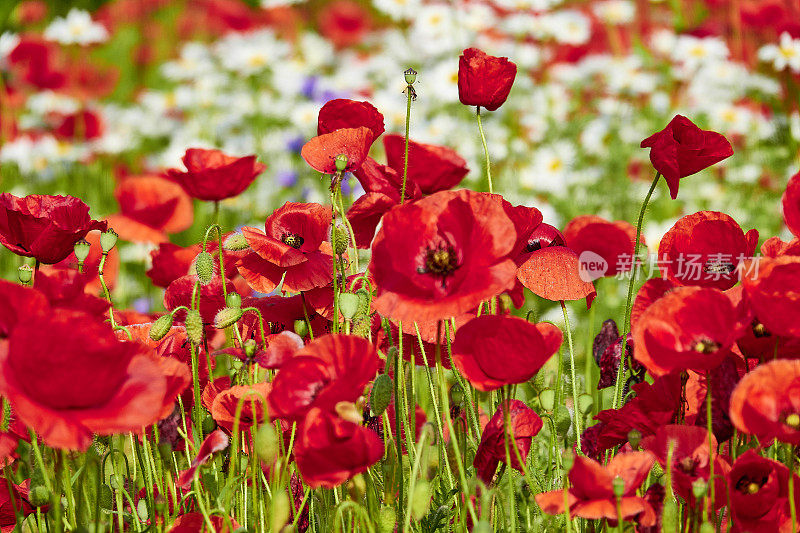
x: 381, y: 394
x: 410, y: 75
x: 699, y: 488
x: 420, y: 500
x: 25, y: 274
x: 348, y: 305
x: 108, y: 239
x: 618, y: 485
x: 82, y: 248
x: 250, y: 348
x: 235, y: 243
x: 563, y: 420
x: 341, y: 162
x: 547, y: 398
x: 227, y: 317
x: 39, y: 496
x: 209, y: 424
x: 670, y: 515
x: 301, y: 328
x: 266, y: 443
x: 204, y: 267
x: 161, y: 327
x: 342, y: 237
x: 457, y: 395
x: 585, y: 403
x: 194, y: 326
x: 280, y: 510
x: 233, y: 300
x: 634, y: 438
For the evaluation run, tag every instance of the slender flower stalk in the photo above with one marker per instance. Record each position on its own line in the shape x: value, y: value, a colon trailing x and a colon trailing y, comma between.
x: 411, y: 94
x: 485, y: 150
x: 575, y: 408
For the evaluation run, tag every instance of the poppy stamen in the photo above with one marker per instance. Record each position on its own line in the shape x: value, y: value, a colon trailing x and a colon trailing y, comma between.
x: 293, y: 239
x: 760, y: 330
x: 793, y: 421
x: 705, y: 346
x: 718, y: 267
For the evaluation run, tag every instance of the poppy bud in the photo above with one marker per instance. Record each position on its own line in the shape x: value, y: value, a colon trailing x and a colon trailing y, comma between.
x: 161, y: 327
x: 301, y: 328
x: 108, y: 239
x: 341, y: 236
x: 227, y: 317
x: 634, y: 438
x: 567, y: 459
x: 411, y: 75
x: 381, y: 394
x: 563, y: 420
x: 194, y: 326
x: 204, y: 267
x: 363, y: 302
x: 82, y: 248
x: 341, y: 162
x: 39, y: 496
x: 420, y: 500
x: 235, y: 243
x: 209, y: 424
x: 547, y: 399
x: 348, y: 304
x: 669, y: 516
x: 233, y: 300
x: 457, y: 395
x: 250, y: 348
x: 699, y: 487
x: 280, y: 510
x: 618, y: 485
x: 386, y: 520
x: 585, y: 403
x: 266, y: 443
x: 25, y: 274
x: 538, y: 381
x: 706, y: 527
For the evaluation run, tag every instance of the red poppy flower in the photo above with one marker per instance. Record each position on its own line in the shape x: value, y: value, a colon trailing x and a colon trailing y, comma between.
x: 689, y: 328
x: 254, y: 411
x: 690, y: 459
x: 180, y: 293
x: 67, y: 289
x: 650, y: 292
x: 431, y: 167
x: 766, y: 402
x: 496, y: 350
x: 343, y: 113
x: 428, y: 332
x: 682, y: 149
x: 611, y: 241
x: 592, y: 492
x: 279, y: 314
x: 344, y: 22
x: 772, y: 287
x: 280, y: 348
x: 775, y: 247
x: 215, y: 442
x: 759, y: 493
x: 37, y: 62
x: 524, y: 424
x: 79, y: 379
x: 354, y: 143
x: 441, y: 256
x: 330, y: 369
x: 329, y: 450
x: 484, y: 80
x: 704, y: 249
x: 10, y: 500
x: 150, y: 208
x: 553, y: 273
x: 195, y: 523
x: 791, y: 205
x: 532, y: 235
x: 44, y: 227
x: 84, y: 125
x: 294, y: 247
x: 420, y: 418
x: 212, y: 175
x: 170, y: 262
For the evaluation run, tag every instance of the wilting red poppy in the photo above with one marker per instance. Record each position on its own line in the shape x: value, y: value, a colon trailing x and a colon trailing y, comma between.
x: 11, y: 500
x: 682, y: 149
x: 689, y: 328
x: 431, y: 167
x: 496, y: 350
x: 353, y: 143
x: 553, y: 273
x: 524, y: 424
x: 79, y: 379
x: 150, y: 208
x: 330, y: 369
x: 766, y: 402
x: 759, y: 494
x: 212, y: 175
x: 607, y: 352
x: 690, y: 459
x: 293, y: 248
x: 84, y: 125
x: 253, y: 411
x: 215, y: 442
x: 44, y: 227
x: 344, y: 113
x: 330, y: 450
x: 484, y: 80
x: 344, y: 22
x: 591, y: 494
x: 772, y: 288
x: 791, y: 205
x: 611, y: 241
x: 704, y: 249
x: 441, y: 256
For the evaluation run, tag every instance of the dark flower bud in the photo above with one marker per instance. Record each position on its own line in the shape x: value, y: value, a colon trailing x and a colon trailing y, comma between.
x: 381, y: 394
x: 457, y: 395
x: 233, y: 300
x: 81, y: 249
x: 25, y: 274
x: 209, y: 425
x: 194, y: 326
x: 235, y: 243
x: 108, y: 239
x: 161, y: 327
x: 227, y: 317
x: 204, y: 267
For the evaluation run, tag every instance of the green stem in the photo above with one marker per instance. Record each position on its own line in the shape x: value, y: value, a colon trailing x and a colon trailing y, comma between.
x: 485, y: 150
x: 576, y: 410
x: 634, y: 272
x: 711, y: 450
x: 409, y: 93
x: 100, y: 272
x: 335, y: 324
x: 397, y: 432
x: 506, y: 406
x: 792, y: 510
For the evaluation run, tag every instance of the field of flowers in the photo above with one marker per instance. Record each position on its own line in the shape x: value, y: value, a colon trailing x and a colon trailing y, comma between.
x: 400, y: 266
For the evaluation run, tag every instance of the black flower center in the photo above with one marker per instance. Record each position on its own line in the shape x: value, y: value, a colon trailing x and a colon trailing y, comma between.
x: 714, y: 266
x: 292, y: 239
x: 533, y: 245
x: 750, y: 485
x: 441, y: 261
x: 705, y: 346
x: 687, y: 465
x: 760, y: 330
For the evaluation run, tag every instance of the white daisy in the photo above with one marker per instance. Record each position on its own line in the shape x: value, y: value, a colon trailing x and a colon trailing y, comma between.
x: 786, y: 54
x: 76, y: 28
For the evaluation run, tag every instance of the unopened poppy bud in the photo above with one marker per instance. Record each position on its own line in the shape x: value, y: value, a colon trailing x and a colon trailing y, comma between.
x: 386, y: 520
x: 348, y: 411
x: 341, y: 237
x: 699, y: 488
x: 669, y: 516
x: 233, y: 300
x: 381, y: 394
x: 81, y: 249
x: 194, y: 326
x: 301, y: 328
x: 341, y: 162
x: 563, y: 420
x: 457, y: 395
x: 235, y: 243
x: 538, y: 381
x: 707, y: 527
x: 348, y: 305
x: 25, y: 274
x: 280, y: 510
x: 108, y: 239
x: 227, y: 317
x: 161, y: 327
x: 420, y: 500
x: 547, y: 398
x: 209, y: 424
x: 266, y: 443
x: 363, y: 301
x: 204, y: 267
x: 39, y: 496
x: 410, y: 75
x: 618, y: 485
x: 567, y: 459
x: 634, y: 437
x: 250, y: 348
x: 585, y: 403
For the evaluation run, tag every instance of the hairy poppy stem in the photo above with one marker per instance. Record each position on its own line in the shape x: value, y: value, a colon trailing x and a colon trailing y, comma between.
x: 485, y: 150
x: 409, y: 95
x: 792, y: 509
x: 710, y: 430
x: 505, y: 402
x: 397, y: 431
x: 626, y: 324
x: 335, y: 324
x: 575, y: 408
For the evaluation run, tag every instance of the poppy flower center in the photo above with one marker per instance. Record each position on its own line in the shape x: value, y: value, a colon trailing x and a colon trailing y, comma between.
x: 292, y: 239
x: 713, y: 266
x: 687, y: 465
x: 705, y: 346
x: 760, y: 330
x: 792, y: 420
x: 750, y: 485
x: 441, y: 261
